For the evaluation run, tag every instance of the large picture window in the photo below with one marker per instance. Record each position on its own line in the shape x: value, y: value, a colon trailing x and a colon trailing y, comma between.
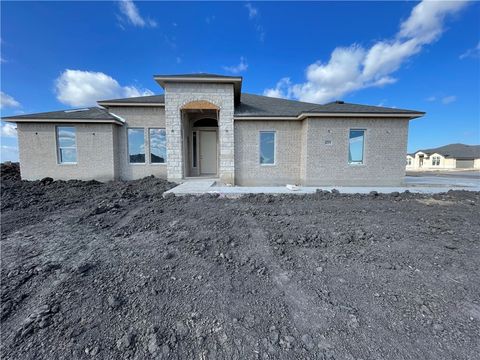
x: 136, y: 145
x: 158, y: 146
x: 356, y: 145
x: 267, y: 147
x: 66, y: 145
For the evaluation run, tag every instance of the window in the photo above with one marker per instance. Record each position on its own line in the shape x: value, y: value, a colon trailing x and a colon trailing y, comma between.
x: 66, y: 145
x: 136, y: 146
x: 435, y: 160
x: 158, y: 146
x: 267, y: 147
x: 409, y: 161
x: 356, y: 143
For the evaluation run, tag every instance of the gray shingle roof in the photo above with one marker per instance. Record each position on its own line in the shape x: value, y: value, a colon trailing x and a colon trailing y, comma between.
x: 457, y: 151
x: 250, y: 106
x: 150, y: 99
x: 343, y: 107
x: 257, y: 105
x: 92, y: 113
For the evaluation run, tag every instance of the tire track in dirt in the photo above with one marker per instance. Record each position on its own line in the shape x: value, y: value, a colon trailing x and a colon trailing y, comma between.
x: 306, y: 309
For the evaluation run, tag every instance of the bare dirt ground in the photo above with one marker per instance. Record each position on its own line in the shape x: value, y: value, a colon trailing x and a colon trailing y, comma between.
x: 116, y: 271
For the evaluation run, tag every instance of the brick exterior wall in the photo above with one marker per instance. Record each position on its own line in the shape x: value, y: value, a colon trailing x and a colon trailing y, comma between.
x: 139, y: 117
x: 303, y: 157
x: 287, y: 168
x: 385, y: 149
x: 176, y: 96
x: 302, y: 154
x: 37, y: 145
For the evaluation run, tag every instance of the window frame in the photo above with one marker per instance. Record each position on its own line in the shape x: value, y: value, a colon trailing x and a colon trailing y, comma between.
x: 128, y: 146
x: 58, y: 147
x: 362, y: 163
x: 274, y: 147
x: 149, y: 147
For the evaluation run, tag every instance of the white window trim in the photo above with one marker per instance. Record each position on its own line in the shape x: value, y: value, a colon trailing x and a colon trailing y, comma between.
x: 363, y: 147
x: 274, y: 147
x: 128, y: 147
x: 57, y: 145
x: 149, y: 148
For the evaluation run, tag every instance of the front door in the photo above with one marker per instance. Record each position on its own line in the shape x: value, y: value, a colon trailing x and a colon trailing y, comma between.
x: 208, y: 152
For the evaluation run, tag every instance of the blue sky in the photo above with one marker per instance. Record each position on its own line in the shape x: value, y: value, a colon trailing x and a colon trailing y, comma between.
x: 421, y: 56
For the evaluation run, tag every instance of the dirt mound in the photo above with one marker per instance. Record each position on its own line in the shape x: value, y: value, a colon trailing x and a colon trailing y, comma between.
x: 10, y: 171
x: 116, y: 271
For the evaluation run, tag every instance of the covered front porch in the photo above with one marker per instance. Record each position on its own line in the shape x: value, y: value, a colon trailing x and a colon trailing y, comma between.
x: 200, y: 139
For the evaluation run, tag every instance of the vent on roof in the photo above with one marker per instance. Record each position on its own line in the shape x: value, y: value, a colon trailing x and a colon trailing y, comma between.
x: 76, y: 110
x: 339, y: 102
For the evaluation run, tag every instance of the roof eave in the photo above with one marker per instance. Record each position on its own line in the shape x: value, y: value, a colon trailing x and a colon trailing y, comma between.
x: 75, y: 121
x: 162, y: 80
x: 302, y: 116
x: 410, y: 116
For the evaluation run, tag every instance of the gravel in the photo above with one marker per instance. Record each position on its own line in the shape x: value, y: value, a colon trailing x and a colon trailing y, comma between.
x: 117, y: 271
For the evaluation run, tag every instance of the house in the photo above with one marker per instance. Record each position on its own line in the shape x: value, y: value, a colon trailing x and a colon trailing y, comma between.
x: 453, y: 156
x: 204, y: 126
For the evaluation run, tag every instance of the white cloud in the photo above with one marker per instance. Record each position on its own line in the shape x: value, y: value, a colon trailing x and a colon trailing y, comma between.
x: 355, y: 67
x: 449, y: 99
x: 84, y: 88
x: 254, y: 15
x: 8, y: 130
x: 132, y: 15
x: 281, y: 90
x: 471, y: 53
x: 236, y: 69
x: 445, y: 99
x: 252, y: 11
x: 7, y: 101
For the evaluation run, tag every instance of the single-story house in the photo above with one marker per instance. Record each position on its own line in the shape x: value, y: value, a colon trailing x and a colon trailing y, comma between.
x: 453, y: 156
x: 204, y: 126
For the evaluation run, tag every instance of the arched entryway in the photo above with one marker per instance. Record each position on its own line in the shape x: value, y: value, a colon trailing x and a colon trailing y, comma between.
x: 201, y: 150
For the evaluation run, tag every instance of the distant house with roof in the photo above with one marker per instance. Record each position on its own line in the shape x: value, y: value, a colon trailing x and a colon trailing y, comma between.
x: 453, y: 156
x: 205, y: 126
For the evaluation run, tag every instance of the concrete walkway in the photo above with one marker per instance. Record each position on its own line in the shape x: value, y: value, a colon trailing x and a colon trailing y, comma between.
x: 424, y: 185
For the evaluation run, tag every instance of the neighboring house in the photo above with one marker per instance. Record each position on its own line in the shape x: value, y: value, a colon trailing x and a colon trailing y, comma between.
x: 453, y: 156
x: 205, y: 126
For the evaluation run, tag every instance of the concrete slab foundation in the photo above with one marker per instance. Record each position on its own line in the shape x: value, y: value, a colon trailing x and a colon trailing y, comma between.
x: 427, y: 185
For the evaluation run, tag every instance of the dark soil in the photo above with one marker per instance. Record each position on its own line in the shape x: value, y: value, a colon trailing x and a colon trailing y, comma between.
x: 116, y: 271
